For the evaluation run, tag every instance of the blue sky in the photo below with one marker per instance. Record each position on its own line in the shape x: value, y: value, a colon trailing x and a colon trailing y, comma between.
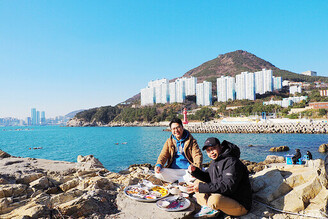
x: 60, y: 56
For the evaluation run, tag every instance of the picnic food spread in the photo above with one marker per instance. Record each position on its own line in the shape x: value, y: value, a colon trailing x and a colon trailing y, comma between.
x: 173, y: 203
x: 146, y: 194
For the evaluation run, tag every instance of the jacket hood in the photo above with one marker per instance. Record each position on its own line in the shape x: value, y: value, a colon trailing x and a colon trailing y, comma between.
x: 229, y: 150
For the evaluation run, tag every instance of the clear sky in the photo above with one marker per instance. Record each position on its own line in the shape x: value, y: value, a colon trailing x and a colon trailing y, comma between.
x: 59, y: 56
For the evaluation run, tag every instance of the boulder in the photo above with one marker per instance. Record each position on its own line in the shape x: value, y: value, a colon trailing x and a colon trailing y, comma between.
x: 274, y: 159
x: 66, y: 197
x: 279, y: 149
x: 12, y: 190
x: 299, y: 197
x: 69, y: 184
x: 88, y: 162
x: 267, y: 182
x: 4, y: 154
x: 323, y: 148
x: 41, y: 183
x: 26, y: 179
x: 128, y: 207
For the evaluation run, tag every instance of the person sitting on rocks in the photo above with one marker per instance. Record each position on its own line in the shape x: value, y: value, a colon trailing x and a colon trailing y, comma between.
x: 179, y: 151
x: 308, y: 153
x: 225, y: 185
x: 297, y: 156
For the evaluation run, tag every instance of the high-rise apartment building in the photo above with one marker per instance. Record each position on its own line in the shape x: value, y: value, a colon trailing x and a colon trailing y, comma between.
x: 180, y: 90
x: 263, y: 81
x: 245, y: 86
x: 250, y: 86
x: 38, y: 117
x: 147, y: 96
x: 225, y: 88
x: 33, y: 116
x: 172, y: 92
x: 204, y: 93
x: 190, y: 84
x: 200, y: 94
x: 277, y: 83
x: 43, y: 118
x: 207, y: 93
x: 156, y: 92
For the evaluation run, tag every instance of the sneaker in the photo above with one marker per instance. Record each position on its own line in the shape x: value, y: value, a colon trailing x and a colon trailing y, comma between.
x: 206, y: 212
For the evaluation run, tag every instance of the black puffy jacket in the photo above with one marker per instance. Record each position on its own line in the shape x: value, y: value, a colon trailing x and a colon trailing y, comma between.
x: 227, y: 175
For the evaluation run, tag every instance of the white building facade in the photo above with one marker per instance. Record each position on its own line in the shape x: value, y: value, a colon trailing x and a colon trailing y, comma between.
x: 225, y: 88
x: 295, y: 89
x: 245, y: 86
x: 204, y: 93
x: 263, y: 81
x: 277, y: 83
x: 147, y: 96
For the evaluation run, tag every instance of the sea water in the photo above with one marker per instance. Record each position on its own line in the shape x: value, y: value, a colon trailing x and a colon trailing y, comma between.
x: 119, y: 147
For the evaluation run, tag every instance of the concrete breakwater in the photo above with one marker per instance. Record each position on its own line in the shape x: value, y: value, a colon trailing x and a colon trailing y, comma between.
x: 305, y: 128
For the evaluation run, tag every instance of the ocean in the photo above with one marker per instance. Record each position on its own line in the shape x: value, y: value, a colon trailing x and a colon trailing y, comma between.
x: 119, y: 147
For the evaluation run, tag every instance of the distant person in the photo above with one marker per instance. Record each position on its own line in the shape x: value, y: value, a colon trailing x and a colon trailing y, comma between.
x: 179, y: 151
x: 308, y: 153
x: 225, y: 185
x: 297, y: 156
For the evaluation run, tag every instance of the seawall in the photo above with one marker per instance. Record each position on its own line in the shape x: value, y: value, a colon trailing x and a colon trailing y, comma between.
x: 305, y: 128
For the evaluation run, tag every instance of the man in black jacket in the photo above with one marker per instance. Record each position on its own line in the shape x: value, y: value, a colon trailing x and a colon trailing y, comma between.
x: 297, y: 156
x: 225, y: 184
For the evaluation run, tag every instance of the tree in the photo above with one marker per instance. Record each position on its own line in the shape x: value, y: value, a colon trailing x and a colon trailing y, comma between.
x: 204, y: 114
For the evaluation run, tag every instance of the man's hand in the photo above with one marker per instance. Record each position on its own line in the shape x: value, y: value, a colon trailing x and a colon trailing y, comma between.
x: 191, y: 168
x: 157, y: 169
x: 193, y: 187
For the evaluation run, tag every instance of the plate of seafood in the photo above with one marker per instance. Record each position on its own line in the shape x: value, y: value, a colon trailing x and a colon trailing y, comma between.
x: 146, y: 194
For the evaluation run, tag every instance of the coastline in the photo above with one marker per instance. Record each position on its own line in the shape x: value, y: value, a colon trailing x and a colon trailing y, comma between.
x: 39, y: 188
x: 234, y: 126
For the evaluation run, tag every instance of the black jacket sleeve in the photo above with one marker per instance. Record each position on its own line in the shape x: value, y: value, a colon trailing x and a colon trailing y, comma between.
x: 201, y: 175
x: 232, y: 174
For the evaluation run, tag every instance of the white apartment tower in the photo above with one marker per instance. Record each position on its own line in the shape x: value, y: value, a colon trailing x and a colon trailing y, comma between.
x: 204, y: 93
x: 207, y: 93
x: 263, y: 81
x: 180, y: 90
x: 245, y: 86
x: 277, y: 83
x: 200, y: 94
x: 225, y: 88
x: 190, y: 84
x: 156, y: 92
x: 147, y: 96
x: 172, y: 92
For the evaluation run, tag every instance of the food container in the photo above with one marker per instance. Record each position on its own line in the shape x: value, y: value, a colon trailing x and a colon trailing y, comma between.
x: 183, y: 189
x: 175, y: 191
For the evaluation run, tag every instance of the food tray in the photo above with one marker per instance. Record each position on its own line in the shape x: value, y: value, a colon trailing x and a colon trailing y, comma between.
x: 175, y: 205
x: 145, y: 194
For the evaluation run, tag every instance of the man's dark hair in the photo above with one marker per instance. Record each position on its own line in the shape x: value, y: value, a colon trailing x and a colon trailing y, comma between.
x: 176, y: 120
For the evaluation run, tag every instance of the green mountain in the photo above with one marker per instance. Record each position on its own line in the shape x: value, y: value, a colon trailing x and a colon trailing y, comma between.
x: 233, y: 63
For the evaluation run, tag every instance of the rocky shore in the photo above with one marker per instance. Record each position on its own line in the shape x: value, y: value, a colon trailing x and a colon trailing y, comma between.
x: 80, y: 123
x: 38, y: 188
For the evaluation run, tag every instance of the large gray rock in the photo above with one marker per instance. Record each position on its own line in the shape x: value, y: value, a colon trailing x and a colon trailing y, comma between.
x: 4, y: 154
x: 267, y: 184
x: 279, y: 149
x: 323, y: 148
x: 133, y: 209
x: 88, y: 162
x: 41, y: 183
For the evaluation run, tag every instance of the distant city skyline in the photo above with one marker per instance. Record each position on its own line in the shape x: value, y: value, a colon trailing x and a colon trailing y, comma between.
x: 61, y: 56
